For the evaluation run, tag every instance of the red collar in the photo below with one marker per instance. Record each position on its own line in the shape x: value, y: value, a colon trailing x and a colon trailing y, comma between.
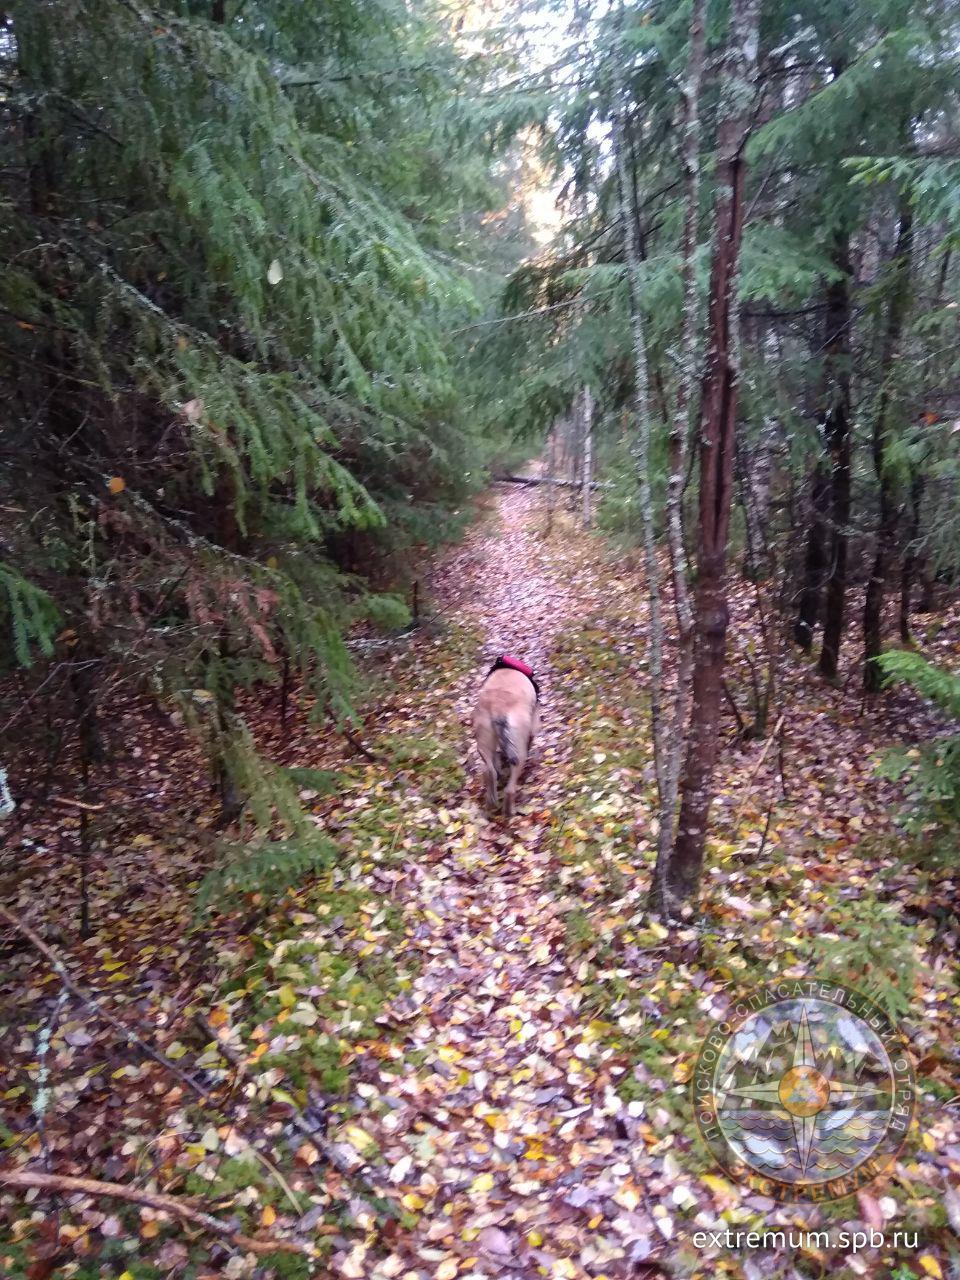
x: 516, y: 665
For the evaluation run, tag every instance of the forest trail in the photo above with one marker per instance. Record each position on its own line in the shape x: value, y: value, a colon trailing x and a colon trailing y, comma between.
x: 518, y: 1116
x: 460, y: 1048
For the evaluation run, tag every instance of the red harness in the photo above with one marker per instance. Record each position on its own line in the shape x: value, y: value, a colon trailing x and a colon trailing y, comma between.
x: 515, y: 664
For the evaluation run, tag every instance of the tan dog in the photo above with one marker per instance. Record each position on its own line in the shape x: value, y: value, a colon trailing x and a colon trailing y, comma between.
x: 505, y: 720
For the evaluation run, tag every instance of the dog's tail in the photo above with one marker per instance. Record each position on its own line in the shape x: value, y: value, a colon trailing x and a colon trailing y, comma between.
x: 505, y: 748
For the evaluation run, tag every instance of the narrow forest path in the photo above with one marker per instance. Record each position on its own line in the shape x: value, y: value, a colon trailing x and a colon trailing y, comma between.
x: 458, y: 1048
x: 516, y: 1139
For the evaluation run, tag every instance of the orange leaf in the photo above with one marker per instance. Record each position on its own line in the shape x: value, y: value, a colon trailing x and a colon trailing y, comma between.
x: 116, y: 484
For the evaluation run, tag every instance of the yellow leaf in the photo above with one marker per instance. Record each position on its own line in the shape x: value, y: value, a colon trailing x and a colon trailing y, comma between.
x: 268, y: 1216
x: 150, y: 1229
x: 722, y: 1190
x: 447, y: 1053
x: 931, y: 1266
x: 287, y: 996
x: 358, y: 1138
x: 483, y: 1182
x: 116, y: 484
x: 682, y: 1071
x: 930, y: 1144
x: 412, y: 1201
x: 447, y: 1269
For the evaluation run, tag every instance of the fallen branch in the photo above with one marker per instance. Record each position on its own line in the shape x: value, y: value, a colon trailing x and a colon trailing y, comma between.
x: 70, y: 803
x: 308, y: 1130
x: 563, y: 484
x: 381, y: 642
x: 27, y: 1178
x: 91, y: 1002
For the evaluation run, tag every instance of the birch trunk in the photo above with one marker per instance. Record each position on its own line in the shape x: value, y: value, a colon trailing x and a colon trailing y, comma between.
x: 837, y: 422
x: 677, y: 458
x: 587, y: 470
x: 641, y: 405
x: 718, y: 418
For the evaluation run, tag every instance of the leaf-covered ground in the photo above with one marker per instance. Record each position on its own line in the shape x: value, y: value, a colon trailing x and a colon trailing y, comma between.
x: 461, y: 1050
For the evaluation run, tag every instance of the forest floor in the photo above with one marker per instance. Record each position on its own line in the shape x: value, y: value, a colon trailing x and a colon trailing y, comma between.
x: 462, y: 1050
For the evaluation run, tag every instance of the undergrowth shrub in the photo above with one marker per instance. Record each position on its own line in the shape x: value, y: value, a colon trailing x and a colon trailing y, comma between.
x: 932, y: 770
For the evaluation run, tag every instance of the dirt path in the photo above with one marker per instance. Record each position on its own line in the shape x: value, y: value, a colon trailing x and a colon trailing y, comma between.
x: 510, y: 1133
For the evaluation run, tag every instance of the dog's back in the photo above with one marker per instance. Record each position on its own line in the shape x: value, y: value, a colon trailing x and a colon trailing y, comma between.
x: 504, y: 723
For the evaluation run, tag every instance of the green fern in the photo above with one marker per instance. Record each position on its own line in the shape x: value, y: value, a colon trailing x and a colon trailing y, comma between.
x: 932, y: 770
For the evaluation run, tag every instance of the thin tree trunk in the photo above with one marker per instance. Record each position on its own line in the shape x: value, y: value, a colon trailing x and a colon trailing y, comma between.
x: 641, y: 404
x: 837, y: 433
x: 762, y: 572
x: 887, y: 522
x: 677, y: 460
x: 718, y: 417
x: 928, y: 585
x: 911, y: 555
x: 587, y: 471
x: 814, y: 561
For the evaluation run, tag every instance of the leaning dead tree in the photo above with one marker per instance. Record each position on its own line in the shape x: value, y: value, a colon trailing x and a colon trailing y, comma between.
x: 554, y: 481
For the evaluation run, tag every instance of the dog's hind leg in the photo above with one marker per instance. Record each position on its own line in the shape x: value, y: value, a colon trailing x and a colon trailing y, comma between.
x: 510, y: 790
x: 490, y: 778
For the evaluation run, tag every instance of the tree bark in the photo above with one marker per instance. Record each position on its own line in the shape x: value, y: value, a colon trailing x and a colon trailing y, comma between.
x: 630, y: 233
x: 677, y: 464
x: 586, y: 475
x: 911, y: 555
x: 837, y: 435
x: 718, y: 418
x: 887, y: 517
x: 814, y: 560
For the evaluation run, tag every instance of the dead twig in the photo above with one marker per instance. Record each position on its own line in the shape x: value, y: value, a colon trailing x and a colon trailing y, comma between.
x: 27, y: 1178
x: 741, y: 723
x: 357, y: 745
x: 91, y: 1002
x: 70, y: 803
x: 756, y: 769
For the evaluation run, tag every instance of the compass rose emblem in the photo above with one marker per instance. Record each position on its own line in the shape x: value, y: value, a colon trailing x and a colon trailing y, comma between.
x: 807, y: 1093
